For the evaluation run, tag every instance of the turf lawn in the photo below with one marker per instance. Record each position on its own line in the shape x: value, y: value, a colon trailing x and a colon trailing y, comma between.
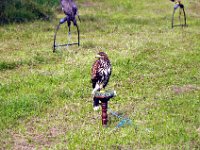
x: 45, y: 97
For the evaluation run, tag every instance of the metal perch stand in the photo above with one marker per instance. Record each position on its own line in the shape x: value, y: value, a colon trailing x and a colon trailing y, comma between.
x: 68, y: 44
x: 181, y: 16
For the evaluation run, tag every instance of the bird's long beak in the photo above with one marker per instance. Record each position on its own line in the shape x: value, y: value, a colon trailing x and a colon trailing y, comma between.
x: 97, y: 56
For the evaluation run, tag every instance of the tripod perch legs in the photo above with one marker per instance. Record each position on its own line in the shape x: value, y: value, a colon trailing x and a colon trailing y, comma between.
x: 181, y: 14
x: 69, y: 34
x: 185, y: 21
x: 54, y: 41
x: 78, y: 35
x: 173, y: 18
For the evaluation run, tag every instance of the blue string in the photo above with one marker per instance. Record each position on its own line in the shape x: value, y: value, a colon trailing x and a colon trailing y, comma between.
x: 123, y: 121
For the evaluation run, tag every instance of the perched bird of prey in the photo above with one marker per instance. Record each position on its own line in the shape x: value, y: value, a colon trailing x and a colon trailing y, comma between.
x: 101, y: 71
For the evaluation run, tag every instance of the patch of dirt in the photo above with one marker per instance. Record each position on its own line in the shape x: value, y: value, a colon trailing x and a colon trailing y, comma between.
x: 21, y: 143
x: 34, y: 139
x: 184, y: 89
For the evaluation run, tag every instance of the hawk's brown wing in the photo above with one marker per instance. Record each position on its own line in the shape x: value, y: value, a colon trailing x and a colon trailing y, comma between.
x: 94, y: 76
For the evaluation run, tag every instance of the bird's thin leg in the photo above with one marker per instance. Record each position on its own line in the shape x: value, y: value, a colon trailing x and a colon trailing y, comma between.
x: 97, y: 88
x: 95, y: 103
x: 95, y: 100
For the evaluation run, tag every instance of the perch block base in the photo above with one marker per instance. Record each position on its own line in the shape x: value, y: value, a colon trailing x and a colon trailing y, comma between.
x: 104, y: 97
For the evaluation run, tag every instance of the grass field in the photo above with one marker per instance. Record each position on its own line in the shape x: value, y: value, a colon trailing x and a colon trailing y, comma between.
x: 45, y: 97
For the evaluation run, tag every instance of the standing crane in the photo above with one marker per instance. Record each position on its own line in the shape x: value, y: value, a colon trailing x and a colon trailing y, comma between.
x: 71, y: 11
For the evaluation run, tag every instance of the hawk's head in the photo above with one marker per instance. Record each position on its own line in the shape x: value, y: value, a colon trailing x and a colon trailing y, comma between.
x: 102, y: 55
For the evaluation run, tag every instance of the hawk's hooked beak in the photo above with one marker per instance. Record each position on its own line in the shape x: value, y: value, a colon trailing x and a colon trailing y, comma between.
x: 98, y: 56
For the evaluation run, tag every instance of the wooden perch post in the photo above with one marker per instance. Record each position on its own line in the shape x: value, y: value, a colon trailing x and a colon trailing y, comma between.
x: 104, y: 97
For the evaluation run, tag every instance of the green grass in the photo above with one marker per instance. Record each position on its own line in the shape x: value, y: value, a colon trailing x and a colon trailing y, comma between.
x: 45, y: 97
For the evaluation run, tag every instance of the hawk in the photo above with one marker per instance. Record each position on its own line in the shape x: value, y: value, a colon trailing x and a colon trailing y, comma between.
x: 101, y: 71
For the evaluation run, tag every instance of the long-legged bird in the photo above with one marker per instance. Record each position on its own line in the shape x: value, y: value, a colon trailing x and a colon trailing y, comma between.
x: 101, y: 71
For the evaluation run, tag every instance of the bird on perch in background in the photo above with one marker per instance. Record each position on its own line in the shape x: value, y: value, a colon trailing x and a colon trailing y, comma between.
x: 70, y: 9
x: 101, y: 71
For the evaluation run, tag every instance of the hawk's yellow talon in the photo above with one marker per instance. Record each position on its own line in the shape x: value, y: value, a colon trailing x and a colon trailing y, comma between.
x: 102, y: 91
